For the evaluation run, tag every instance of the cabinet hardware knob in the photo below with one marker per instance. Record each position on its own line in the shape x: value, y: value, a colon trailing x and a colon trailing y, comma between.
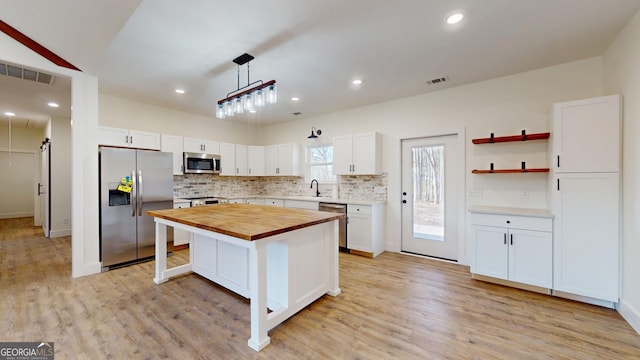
x: 508, y: 221
x: 404, y: 193
x: 404, y: 201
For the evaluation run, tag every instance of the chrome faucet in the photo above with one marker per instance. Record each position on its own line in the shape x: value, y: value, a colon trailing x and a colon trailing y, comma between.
x: 317, y: 187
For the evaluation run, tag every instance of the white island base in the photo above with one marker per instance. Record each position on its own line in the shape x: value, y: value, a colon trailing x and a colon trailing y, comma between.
x: 283, y: 273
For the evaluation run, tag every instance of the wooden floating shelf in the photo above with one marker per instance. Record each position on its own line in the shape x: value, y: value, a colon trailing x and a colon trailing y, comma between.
x: 527, y: 137
x: 510, y: 171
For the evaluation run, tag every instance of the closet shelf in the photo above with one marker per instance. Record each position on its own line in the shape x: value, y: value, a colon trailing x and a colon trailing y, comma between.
x: 526, y: 137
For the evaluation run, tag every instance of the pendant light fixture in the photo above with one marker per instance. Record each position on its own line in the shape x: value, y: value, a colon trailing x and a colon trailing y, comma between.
x: 254, y: 94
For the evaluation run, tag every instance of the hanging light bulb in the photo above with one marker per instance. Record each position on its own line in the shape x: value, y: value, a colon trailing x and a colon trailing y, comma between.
x: 248, y: 102
x: 220, y: 111
x: 259, y: 98
x: 238, y: 108
x: 228, y: 108
x: 272, y: 95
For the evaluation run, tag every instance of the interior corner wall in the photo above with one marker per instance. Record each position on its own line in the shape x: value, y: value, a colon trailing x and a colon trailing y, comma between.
x: 129, y: 114
x: 503, y: 106
x: 621, y: 70
x: 60, y: 177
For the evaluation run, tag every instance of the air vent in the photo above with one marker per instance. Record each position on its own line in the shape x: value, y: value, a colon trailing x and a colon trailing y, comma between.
x: 26, y: 74
x: 297, y: 113
x: 438, y: 80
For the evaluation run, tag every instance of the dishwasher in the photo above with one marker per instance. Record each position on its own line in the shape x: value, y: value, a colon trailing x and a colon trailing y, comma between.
x: 342, y: 209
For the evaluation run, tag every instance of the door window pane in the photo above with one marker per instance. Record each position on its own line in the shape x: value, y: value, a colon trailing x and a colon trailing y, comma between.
x: 428, y: 192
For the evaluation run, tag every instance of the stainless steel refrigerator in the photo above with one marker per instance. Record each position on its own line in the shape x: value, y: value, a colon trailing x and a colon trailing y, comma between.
x: 127, y: 234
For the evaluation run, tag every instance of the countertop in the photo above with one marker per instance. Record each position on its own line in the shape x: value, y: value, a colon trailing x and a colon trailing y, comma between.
x: 498, y: 210
x: 301, y: 198
x: 244, y: 221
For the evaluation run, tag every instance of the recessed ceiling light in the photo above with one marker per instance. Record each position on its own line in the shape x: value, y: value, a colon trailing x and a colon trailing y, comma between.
x: 295, y: 99
x: 455, y: 18
x: 9, y: 113
x: 180, y: 91
x: 53, y: 105
x: 356, y: 82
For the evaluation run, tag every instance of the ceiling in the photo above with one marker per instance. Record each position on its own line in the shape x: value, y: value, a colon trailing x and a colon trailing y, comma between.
x: 144, y: 50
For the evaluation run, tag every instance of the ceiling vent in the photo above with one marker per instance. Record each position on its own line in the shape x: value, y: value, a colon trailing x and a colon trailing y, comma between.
x: 437, y: 80
x: 26, y: 74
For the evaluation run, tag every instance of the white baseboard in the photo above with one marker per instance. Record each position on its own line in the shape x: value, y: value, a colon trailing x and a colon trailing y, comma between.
x: 60, y: 233
x: 16, y: 215
x: 630, y: 314
x: 86, y: 269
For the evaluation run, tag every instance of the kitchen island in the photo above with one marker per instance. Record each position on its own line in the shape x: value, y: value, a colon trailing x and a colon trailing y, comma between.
x: 281, y: 259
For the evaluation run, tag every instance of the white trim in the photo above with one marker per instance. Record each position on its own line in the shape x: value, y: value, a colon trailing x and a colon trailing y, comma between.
x: 631, y: 315
x: 59, y: 233
x: 16, y: 215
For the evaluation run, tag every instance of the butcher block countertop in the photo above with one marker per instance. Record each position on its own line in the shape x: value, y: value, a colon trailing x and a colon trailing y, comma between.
x: 245, y: 221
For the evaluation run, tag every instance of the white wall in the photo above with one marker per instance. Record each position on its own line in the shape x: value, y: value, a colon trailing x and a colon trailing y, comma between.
x: 123, y: 113
x: 60, y: 186
x: 504, y: 106
x: 621, y: 63
x: 17, y: 176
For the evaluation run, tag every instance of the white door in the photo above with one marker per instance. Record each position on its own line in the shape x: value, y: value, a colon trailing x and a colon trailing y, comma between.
x: 430, y: 188
x: 43, y: 192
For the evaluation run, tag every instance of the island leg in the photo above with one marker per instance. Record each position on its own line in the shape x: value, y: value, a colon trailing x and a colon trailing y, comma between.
x: 258, y: 288
x: 334, y: 260
x: 161, y: 253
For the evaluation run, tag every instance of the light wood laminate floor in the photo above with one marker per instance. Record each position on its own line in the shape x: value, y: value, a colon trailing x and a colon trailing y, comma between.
x: 392, y: 307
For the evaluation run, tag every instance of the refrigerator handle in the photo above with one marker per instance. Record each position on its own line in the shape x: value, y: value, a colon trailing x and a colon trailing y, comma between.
x: 140, y: 193
x: 132, y: 195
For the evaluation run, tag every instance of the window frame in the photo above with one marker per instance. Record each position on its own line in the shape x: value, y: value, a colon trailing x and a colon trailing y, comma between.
x: 308, y: 163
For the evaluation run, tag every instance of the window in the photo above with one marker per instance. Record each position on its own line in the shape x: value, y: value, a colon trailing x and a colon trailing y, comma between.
x: 320, y: 163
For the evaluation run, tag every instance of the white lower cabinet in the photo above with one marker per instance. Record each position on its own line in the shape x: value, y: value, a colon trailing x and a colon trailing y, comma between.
x: 299, y: 204
x: 365, y: 229
x: 514, y: 248
x: 221, y: 262
x: 181, y: 237
x: 255, y: 201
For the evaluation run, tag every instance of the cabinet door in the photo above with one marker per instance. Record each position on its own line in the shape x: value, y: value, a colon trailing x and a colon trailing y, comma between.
x: 586, y: 234
x: 227, y: 159
x: 242, y: 167
x: 211, y: 147
x: 271, y: 160
x: 274, y: 202
x: 366, y: 157
x: 288, y: 159
x: 490, y: 254
x: 113, y: 136
x: 342, y: 155
x: 255, y: 201
x: 181, y: 237
x: 174, y: 145
x: 144, y: 140
x: 586, y: 135
x: 193, y: 145
x: 255, y: 156
x: 531, y: 257
x: 359, y: 232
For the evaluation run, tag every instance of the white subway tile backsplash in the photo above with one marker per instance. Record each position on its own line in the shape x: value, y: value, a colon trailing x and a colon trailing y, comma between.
x: 364, y: 187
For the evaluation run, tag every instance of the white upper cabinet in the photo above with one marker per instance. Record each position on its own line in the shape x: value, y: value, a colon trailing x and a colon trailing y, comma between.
x: 227, y: 159
x: 201, y: 146
x: 128, y: 138
x: 255, y: 160
x: 586, y: 135
x: 357, y: 154
x: 174, y: 145
x: 242, y: 167
x: 282, y: 160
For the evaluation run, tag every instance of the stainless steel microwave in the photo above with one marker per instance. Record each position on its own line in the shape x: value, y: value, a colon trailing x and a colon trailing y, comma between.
x: 200, y: 163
